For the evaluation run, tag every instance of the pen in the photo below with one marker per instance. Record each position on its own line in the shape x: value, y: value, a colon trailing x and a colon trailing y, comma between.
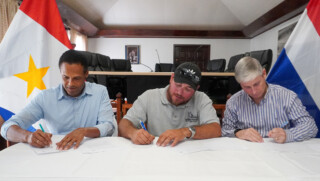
x: 41, y: 128
x: 142, y: 125
x: 284, y: 124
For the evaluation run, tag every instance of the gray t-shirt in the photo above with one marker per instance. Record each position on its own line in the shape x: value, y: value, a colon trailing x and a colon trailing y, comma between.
x: 154, y: 109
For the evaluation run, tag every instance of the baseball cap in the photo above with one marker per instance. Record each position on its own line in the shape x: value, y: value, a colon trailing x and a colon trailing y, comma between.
x: 188, y: 73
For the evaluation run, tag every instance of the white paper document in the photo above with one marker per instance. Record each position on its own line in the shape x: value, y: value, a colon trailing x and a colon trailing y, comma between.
x: 224, y: 143
x: 52, y: 148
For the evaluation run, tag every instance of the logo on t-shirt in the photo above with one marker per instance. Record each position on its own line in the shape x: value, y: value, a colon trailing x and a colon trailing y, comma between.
x: 192, y: 117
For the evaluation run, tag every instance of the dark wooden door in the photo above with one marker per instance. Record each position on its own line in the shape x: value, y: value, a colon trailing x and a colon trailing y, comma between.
x: 198, y: 54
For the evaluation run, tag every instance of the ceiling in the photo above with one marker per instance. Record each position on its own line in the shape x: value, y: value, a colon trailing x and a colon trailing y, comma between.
x: 177, y: 18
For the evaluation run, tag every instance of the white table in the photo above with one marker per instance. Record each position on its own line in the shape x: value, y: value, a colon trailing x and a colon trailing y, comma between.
x: 116, y: 158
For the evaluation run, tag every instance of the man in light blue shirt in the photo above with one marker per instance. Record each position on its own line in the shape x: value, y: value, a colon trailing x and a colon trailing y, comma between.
x: 265, y: 110
x: 75, y: 108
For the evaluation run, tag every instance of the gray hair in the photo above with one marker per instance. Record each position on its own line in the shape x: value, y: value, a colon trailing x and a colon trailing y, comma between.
x: 247, y: 69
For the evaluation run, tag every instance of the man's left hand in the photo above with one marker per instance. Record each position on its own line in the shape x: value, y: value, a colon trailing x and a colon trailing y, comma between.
x: 172, y: 135
x: 75, y: 137
x: 278, y: 135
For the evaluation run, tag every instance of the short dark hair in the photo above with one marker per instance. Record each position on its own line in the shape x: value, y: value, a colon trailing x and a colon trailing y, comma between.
x: 74, y: 57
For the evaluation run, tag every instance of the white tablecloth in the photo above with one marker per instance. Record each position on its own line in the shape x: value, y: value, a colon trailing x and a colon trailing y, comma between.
x: 116, y: 158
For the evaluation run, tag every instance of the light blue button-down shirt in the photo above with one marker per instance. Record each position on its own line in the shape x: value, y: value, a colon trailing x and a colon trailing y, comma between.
x: 280, y: 107
x: 63, y: 114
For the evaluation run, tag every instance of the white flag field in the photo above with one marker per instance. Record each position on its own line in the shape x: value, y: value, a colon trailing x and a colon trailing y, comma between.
x: 29, y: 54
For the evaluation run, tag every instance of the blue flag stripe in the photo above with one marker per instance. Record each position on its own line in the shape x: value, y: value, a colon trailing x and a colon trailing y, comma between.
x: 6, y: 114
x: 283, y: 73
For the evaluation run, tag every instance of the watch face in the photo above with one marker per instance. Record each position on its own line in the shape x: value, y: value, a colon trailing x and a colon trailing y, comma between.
x: 193, y: 129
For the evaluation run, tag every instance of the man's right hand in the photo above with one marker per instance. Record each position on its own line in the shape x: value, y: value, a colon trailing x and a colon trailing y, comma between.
x: 249, y: 134
x: 142, y: 137
x: 39, y: 139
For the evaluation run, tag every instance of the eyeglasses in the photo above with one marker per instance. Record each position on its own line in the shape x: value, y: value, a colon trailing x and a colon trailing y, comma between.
x: 190, y: 75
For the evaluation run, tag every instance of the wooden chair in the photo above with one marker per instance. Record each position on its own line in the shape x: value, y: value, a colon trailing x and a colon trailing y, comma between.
x: 118, y: 105
x: 220, y: 108
x: 125, y: 108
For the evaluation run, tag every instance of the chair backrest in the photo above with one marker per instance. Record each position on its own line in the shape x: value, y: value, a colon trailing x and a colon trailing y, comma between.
x: 233, y: 61
x: 216, y: 65
x: 121, y: 65
x: 97, y: 62
x: 164, y: 67
x: 264, y: 57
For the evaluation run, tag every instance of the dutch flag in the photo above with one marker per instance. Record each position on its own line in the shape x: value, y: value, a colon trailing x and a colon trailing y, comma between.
x: 298, y: 66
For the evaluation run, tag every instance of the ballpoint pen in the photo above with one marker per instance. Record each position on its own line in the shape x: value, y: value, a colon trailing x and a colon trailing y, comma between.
x: 142, y: 125
x: 41, y: 128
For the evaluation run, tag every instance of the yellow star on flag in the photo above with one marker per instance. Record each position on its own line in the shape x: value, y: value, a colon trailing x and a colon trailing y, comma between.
x: 33, y: 77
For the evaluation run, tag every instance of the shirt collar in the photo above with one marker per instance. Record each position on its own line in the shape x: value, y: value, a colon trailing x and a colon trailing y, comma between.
x: 62, y: 93
x: 163, y: 95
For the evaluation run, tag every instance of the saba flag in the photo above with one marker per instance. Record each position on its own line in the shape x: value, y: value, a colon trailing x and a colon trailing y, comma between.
x: 298, y: 66
x: 29, y: 54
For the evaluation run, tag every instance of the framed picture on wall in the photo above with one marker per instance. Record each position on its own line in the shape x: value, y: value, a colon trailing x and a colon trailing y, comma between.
x: 283, y: 36
x: 133, y: 53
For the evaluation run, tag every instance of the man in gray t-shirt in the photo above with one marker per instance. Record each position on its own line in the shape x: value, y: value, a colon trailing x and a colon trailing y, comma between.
x: 173, y: 113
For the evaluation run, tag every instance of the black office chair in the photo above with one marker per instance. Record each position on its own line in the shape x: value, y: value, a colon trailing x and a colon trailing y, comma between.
x: 232, y: 85
x: 164, y: 67
x: 97, y: 62
x: 216, y: 65
x: 216, y: 88
x: 264, y: 57
x: 233, y: 61
x: 118, y: 84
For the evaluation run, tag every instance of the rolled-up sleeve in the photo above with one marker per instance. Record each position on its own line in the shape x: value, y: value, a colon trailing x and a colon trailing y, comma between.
x: 26, y: 117
x: 106, y: 122
x: 304, y: 126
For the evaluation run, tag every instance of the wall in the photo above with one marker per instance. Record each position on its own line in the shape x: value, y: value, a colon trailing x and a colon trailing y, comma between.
x: 269, y: 39
x: 115, y: 48
x: 220, y: 48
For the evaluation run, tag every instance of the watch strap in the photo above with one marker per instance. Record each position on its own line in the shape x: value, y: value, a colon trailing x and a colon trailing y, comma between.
x: 193, y: 132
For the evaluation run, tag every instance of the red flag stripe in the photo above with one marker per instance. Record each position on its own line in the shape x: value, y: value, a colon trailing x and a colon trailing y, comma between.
x: 46, y: 13
x: 313, y: 10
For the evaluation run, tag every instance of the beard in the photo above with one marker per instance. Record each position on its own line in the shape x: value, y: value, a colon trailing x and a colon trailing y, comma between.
x: 175, y: 99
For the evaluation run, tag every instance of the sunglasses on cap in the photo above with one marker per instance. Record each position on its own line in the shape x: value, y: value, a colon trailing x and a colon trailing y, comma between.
x: 189, y: 74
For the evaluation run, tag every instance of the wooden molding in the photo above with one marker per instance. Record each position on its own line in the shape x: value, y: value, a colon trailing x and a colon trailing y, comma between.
x: 281, y: 13
x: 144, y: 33
x: 74, y: 20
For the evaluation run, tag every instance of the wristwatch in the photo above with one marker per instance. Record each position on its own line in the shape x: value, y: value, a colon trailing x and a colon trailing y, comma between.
x: 235, y: 131
x: 192, y: 129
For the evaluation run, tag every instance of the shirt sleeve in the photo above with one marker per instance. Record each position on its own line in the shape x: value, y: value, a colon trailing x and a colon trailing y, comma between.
x: 138, y: 111
x: 229, y: 122
x: 303, y: 125
x: 106, y: 122
x: 207, y: 113
x: 26, y: 117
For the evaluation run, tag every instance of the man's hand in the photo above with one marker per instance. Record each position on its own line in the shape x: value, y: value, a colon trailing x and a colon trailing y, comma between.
x: 249, y: 134
x: 39, y: 139
x: 142, y: 137
x: 75, y: 137
x: 278, y: 135
x: 173, y: 135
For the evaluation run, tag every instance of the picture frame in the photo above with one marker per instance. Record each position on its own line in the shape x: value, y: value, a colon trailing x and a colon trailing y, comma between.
x: 133, y: 53
x: 283, y: 36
